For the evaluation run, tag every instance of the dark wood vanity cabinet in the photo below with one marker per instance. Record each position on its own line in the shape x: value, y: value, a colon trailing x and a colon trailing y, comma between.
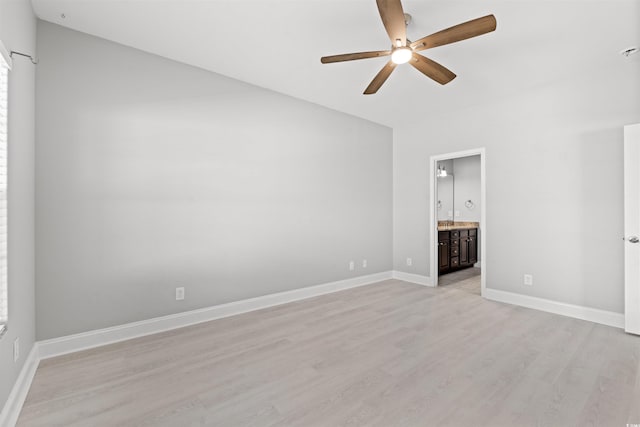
x: 443, y: 253
x: 457, y: 249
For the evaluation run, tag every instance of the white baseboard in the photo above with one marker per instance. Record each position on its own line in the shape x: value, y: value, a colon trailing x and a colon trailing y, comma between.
x: 418, y: 279
x: 13, y: 406
x: 608, y: 318
x: 85, y: 340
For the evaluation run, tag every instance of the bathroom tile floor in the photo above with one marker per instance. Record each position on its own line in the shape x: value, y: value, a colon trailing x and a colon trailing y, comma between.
x: 467, y: 280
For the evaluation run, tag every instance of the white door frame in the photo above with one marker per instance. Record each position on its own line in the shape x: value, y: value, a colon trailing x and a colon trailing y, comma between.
x: 631, y: 228
x: 433, y: 228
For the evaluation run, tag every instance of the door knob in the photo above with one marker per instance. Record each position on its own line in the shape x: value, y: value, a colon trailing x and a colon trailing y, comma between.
x: 633, y: 239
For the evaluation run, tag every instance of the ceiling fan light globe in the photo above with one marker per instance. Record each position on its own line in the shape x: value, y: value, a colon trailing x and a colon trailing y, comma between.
x: 401, y: 55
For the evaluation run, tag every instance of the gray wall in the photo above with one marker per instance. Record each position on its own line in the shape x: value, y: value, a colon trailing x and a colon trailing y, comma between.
x: 152, y: 174
x: 18, y: 32
x: 554, y: 184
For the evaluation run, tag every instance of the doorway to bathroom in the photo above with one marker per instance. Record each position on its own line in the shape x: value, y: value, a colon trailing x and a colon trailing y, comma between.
x: 458, y: 220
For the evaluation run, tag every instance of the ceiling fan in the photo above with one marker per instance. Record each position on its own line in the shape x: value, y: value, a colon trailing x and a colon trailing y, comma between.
x: 404, y: 50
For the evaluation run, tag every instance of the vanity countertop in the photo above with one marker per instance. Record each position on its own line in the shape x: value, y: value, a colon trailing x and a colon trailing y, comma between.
x: 456, y: 225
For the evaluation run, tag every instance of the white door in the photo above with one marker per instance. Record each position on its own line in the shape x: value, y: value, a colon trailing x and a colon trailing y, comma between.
x: 632, y: 229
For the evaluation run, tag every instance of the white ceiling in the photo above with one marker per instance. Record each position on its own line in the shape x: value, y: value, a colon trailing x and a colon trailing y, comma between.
x: 277, y: 44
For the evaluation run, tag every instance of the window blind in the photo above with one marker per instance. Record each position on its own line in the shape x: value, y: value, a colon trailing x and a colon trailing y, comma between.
x: 4, y: 88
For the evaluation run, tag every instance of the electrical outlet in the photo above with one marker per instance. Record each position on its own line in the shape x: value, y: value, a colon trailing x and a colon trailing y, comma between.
x: 364, y: 263
x: 352, y: 265
x: 528, y: 279
x: 179, y: 294
x: 409, y: 262
x: 16, y: 349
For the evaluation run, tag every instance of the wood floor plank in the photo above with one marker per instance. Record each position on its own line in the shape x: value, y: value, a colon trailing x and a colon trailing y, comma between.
x: 389, y: 354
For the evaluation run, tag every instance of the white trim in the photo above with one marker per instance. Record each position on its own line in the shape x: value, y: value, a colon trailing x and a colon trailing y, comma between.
x: 608, y: 318
x: 6, y: 55
x: 85, y: 340
x: 13, y: 406
x: 433, y: 228
x: 418, y: 279
x: 631, y: 228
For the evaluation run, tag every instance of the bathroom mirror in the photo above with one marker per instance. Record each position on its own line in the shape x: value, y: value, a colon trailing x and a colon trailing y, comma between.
x: 445, y: 198
x: 445, y: 189
x: 458, y: 189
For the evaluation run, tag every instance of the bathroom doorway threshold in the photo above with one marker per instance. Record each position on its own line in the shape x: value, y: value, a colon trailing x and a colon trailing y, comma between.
x: 433, y: 224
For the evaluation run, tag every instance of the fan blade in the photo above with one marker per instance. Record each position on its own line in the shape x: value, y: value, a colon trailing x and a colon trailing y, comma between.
x: 466, y: 30
x: 380, y: 78
x: 432, y: 69
x: 353, y: 56
x: 393, y: 20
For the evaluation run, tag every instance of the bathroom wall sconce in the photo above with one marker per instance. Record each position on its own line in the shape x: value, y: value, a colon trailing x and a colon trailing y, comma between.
x: 469, y: 204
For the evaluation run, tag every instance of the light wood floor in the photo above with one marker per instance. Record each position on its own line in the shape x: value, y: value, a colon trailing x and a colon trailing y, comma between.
x: 389, y: 354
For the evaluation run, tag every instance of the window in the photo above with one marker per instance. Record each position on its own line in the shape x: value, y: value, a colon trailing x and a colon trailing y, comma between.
x: 5, y: 62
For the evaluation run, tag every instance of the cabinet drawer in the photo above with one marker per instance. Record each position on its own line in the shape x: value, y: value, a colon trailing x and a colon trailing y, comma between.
x: 454, y: 262
x: 455, y: 250
x: 443, y: 235
x: 473, y: 232
x: 464, y: 233
x: 455, y: 234
x: 455, y: 243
